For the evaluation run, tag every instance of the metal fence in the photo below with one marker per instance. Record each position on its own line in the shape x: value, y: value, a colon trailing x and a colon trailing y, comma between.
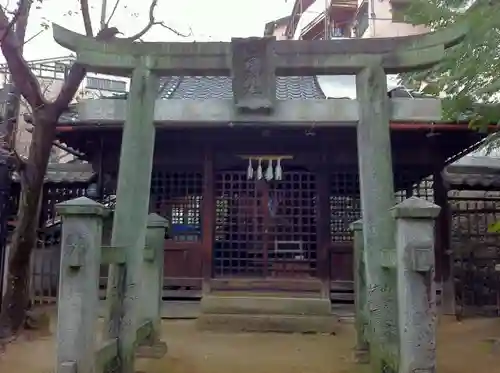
x: 476, y: 252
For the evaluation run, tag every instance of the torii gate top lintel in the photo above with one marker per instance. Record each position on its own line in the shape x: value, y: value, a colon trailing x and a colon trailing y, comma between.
x: 289, y: 57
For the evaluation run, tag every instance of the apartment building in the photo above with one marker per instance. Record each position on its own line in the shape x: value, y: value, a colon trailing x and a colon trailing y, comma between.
x: 51, y: 74
x: 332, y: 19
x: 328, y: 19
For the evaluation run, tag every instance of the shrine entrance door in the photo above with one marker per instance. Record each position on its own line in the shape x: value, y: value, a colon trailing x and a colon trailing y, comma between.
x: 265, y: 228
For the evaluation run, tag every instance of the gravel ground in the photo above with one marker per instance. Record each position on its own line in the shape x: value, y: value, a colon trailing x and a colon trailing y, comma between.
x: 462, y: 348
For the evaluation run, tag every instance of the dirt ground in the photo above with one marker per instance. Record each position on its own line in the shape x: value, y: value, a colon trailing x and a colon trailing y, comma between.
x: 462, y: 348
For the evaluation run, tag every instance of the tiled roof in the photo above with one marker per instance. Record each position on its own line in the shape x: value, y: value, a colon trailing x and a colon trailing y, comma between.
x: 474, y: 172
x: 220, y: 87
x: 66, y: 173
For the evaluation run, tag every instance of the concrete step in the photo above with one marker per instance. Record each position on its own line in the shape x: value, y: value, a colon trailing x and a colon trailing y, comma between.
x: 268, y: 323
x: 255, y: 305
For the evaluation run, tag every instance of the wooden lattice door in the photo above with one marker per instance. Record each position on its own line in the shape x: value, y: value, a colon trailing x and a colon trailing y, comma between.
x: 177, y: 195
x: 265, y: 228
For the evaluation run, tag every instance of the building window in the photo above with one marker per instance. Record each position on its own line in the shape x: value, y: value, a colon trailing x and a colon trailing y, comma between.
x: 361, y: 20
x: 399, y: 12
x: 339, y: 32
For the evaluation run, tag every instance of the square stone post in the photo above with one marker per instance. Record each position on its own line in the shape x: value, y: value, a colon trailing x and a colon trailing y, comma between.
x: 131, y: 213
x: 361, y: 319
x: 152, y: 285
x: 78, y: 298
x: 377, y: 198
x: 416, y: 287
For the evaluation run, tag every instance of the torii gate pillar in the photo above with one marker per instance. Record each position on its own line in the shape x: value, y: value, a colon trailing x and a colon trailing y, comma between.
x: 377, y: 198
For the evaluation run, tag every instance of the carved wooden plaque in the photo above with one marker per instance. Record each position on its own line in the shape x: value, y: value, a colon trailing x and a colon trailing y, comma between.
x: 253, y: 74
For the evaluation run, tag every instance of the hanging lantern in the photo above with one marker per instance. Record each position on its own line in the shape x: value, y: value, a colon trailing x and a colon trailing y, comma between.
x: 279, y: 170
x: 259, y: 170
x: 250, y: 169
x: 270, y: 171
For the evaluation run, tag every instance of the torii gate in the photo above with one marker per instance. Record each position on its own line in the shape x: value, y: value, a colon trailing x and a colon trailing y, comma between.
x: 253, y: 64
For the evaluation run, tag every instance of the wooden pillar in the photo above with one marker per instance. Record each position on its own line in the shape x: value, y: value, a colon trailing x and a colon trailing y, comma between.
x: 416, y: 287
x: 323, y: 229
x: 377, y: 197
x: 131, y: 213
x: 78, y: 298
x: 208, y: 218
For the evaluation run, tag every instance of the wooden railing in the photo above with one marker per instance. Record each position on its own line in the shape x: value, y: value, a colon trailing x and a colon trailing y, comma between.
x: 82, y: 254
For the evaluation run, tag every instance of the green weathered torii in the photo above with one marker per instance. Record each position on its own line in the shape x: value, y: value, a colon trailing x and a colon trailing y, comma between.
x: 290, y: 57
x: 253, y: 65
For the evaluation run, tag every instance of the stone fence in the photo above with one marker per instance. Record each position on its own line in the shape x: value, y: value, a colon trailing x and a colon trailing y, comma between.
x: 410, y: 266
x: 82, y: 254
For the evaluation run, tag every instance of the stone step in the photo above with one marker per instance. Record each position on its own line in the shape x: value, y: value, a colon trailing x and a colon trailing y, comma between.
x: 271, y: 294
x: 346, y: 319
x: 268, y: 323
x: 255, y: 305
x: 266, y: 284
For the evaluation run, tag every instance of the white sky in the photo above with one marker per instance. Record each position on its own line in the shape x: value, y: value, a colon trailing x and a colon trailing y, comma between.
x: 209, y: 19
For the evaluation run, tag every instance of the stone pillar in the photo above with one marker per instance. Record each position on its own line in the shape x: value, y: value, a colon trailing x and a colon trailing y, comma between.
x: 416, y: 287
x: 377, y: 198
x: 361, y: 322
x: 131, y: 213
x: 78, y: 299
x: 152, y: 274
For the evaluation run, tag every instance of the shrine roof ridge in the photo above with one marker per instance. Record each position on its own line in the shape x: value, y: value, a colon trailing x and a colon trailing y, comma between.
x: 291, y: 57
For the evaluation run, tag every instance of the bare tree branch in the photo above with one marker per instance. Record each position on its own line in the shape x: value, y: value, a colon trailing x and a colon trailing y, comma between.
x: 7, y: 141
x: 112, y: 12
x: 10, y: 125
x: 34, y: 36
x: 153, y: 22
x: 87, y: 22
x: 78, y: 71
x: 6, y: 30
x: 22, y: 76
x: 22, y: 22
x: 72, y: 82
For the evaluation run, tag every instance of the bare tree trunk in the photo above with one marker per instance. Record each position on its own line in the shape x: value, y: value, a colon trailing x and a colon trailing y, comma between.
x: 16, y: 299
x: 7, y: 132
x: 32, y: 171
